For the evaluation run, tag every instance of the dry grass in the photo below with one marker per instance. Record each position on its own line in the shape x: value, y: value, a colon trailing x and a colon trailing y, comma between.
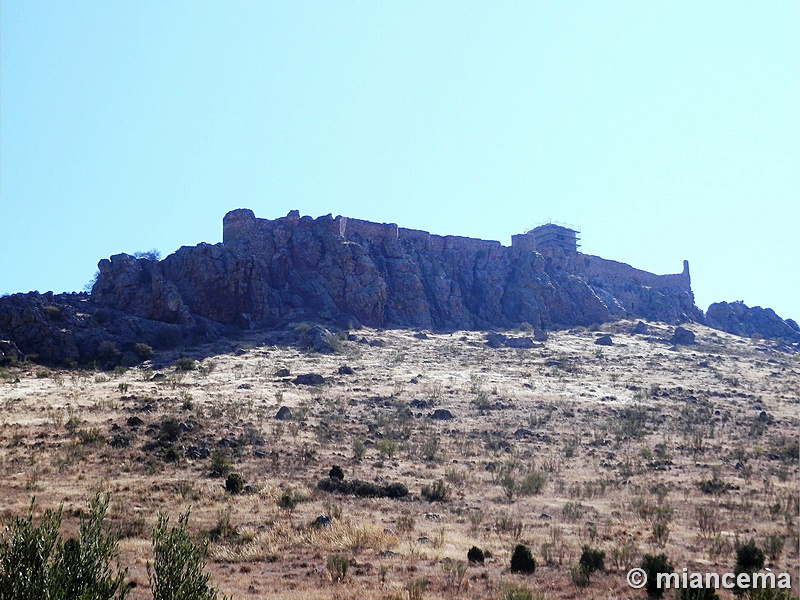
x: 618, y: 438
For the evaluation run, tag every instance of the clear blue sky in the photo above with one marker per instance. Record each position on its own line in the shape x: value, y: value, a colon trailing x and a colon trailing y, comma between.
x: 664, y: 130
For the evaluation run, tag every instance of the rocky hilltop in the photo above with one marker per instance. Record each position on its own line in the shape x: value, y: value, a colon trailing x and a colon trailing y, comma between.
x: 345, y: 272
x: 269, y: 271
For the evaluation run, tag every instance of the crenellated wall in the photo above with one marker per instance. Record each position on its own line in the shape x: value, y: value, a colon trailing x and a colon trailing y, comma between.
x: 382, y: 273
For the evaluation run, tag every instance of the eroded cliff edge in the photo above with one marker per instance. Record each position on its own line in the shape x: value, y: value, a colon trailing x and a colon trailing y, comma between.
x: 270, y: 271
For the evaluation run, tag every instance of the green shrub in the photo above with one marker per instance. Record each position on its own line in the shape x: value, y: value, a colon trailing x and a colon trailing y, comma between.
x: 178, y: 563
x: 359, y: 450
x: 337, y: 567
x: 35, y: 563
x: 26, y: 556
x: 516, y: 592
x: 143, y: 351
x: 749, y: 559
x: 220, y: 463
x: 185, y: 363
x: 475, y: 555
x: 234, y: 483
x: 696, y: 594
x: 592, y: 560
x: 652, y: 566
x: 522, y: 560
x: 438, y: 491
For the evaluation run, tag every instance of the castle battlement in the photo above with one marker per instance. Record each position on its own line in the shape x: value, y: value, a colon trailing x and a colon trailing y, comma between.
x: 557, y: 244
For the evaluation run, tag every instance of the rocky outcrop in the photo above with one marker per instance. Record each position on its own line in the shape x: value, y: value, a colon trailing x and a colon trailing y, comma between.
x: 345, y: 272
x: 267, y: 272
x: 740, y: 319
x: 71, y: 329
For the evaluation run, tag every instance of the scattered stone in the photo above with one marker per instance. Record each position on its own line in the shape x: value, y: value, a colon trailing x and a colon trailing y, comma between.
x: 539, y: 335
x: 377, y: 343
x: 244, y: 386
x: 520, y: 342
x: 284, y: 414
x: 424, y: 539
x: 309, y: 379
x: 496, y: 340
x: 604, y: 340
x: 641, y: 328
x: 345, y: 370
x: 158, y: 377
x: 321, y: 521
x: 545, y: 517
x: 419, y: 404
x: 134, y: 422
x: 283, y: 372
x: 522, y: 432
x: 421, y: 335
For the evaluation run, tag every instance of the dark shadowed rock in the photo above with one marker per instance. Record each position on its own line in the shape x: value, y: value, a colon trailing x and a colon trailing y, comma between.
x: 604, y: 340
x: 539, y: 335
x: 682, y: 337
x: 441, y: 414
x: 309, y: 379
x: 321, y: 521
x: 496, y: 340
x: 739, y: 319
x: 345, y: 370
x: 284, y: 414
x: 641, y: 328
x: 520, y: 342
x: 283, y: 372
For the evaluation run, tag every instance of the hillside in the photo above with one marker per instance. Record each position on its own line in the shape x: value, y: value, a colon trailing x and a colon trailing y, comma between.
x: 641, y: 446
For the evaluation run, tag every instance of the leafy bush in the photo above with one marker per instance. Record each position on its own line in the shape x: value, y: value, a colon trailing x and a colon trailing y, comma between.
x: 475, y: 555
x: 178, y: 563
x: 653, y: 565
x: 234, y: 483
x: 516, y: 592
x: 185, y: 363
x: 143, y: 351
x: 592, y: 560
x: 438, y: 491
x: 696, y: 594
x: 220, y: 463
x: 749, y: 559
x: 336, y: 472
x: 522, y: 560
x: 35, y: 563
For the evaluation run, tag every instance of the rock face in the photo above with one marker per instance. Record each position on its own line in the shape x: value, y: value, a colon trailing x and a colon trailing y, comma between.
x: 346, y: 272
x: 739, y: 319
x: 267, y: 272
x: 72, y: 329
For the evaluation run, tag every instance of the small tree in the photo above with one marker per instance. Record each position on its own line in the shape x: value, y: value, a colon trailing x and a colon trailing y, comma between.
x: 749, y: 559
x: 26, y: 554
x: 83, y: 566
x: 653, y: 565
x: 591, y: 560
x: 522, y: 560
x: 178, y: 563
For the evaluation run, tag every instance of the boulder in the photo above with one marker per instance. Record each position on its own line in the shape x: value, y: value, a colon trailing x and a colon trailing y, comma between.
x: 284, y: 414
x: 604, y: 340
x: 682, y: 337
x: 441, y: 414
